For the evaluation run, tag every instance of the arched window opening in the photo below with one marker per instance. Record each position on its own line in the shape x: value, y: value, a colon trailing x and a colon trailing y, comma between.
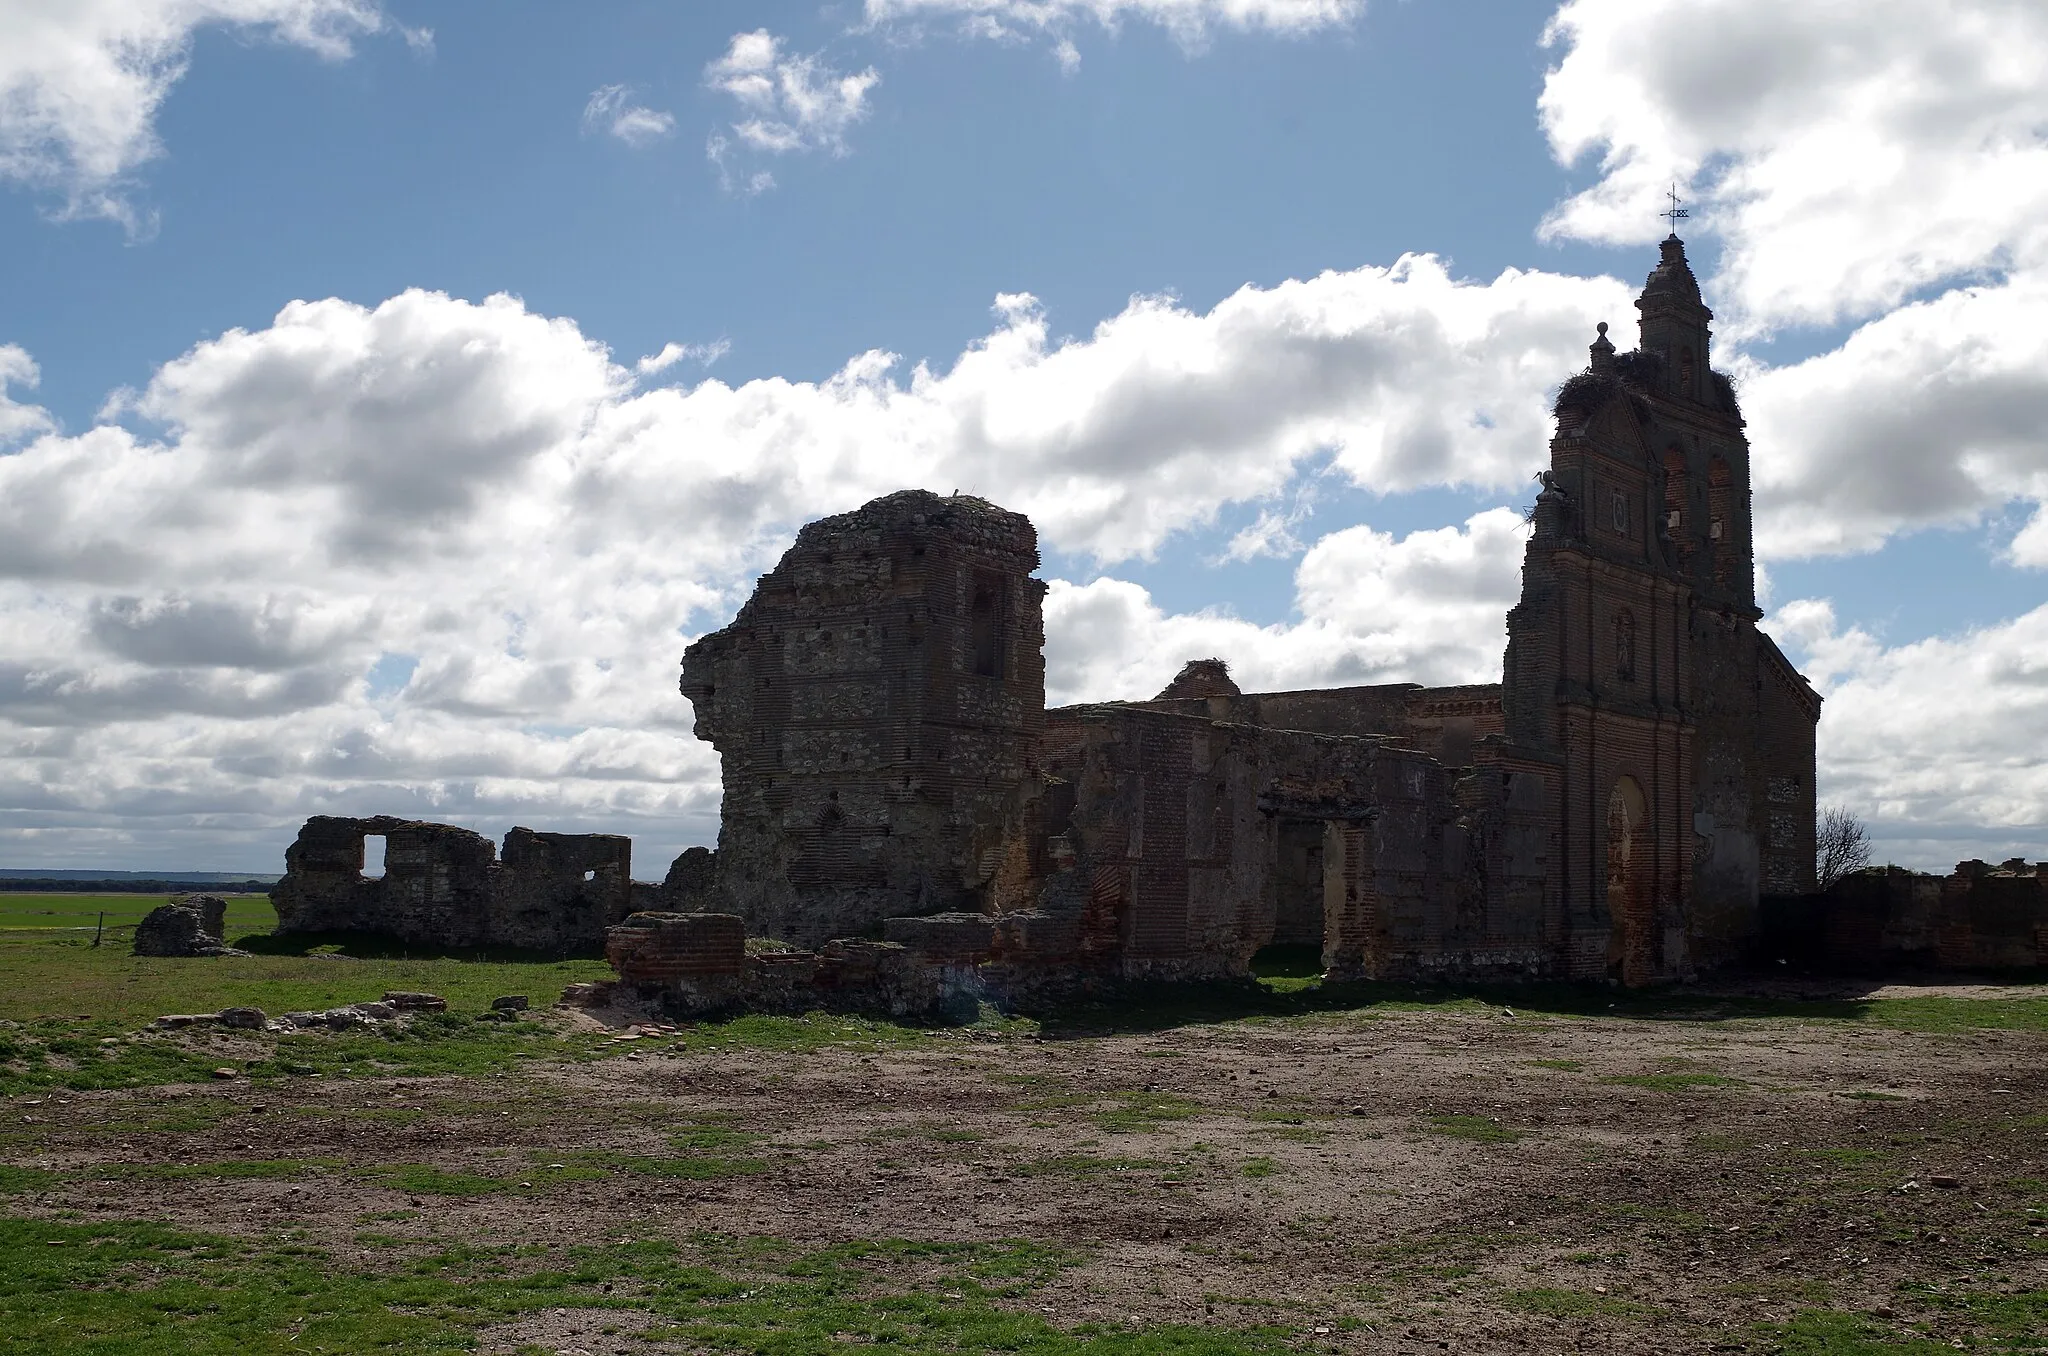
x: 1685, y: 373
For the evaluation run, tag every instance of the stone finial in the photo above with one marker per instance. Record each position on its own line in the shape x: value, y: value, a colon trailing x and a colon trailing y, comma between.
x: 1602, y: 351
x: 1548, y: 516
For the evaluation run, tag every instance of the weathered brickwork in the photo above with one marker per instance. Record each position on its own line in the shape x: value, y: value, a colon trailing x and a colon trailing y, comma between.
x: 1683, y: 739
x: 1613, y: 808
x: 1978, y: 917
x: 445, y: 886
x: 877, y: 707
x: 693, y: 964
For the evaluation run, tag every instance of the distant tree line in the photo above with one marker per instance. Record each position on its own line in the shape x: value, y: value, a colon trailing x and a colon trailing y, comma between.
x: 129, y: 885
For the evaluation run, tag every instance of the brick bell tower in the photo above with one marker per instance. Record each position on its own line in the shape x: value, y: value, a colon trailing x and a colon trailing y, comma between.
x: 1678, y: 741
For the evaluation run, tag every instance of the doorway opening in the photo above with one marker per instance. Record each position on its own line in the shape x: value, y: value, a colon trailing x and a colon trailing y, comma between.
x: 1628, y: 900
x: 373, y: 856
x: 1296, y: 949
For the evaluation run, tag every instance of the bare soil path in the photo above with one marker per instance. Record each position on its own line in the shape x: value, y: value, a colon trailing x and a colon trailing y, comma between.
x: 1390, y: 1182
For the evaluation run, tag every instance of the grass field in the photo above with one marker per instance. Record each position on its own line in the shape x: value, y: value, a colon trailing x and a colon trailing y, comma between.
x: 1278, y: 1166
x: 246, y: 913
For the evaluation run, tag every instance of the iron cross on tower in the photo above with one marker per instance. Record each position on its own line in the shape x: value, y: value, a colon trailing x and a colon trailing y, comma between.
x: 1674, y: 214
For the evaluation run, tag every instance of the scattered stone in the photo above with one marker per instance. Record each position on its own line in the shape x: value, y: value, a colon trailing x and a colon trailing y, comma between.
x: 511, y: 1002
x: 416, y: 1002
x: 1358, y: 1111
x: 243, y: 1019
x: 224, y: 1072
x: 1942, y: 1179
x: 186, y: 927
x: 337, y: 1019
x: 584, y: 995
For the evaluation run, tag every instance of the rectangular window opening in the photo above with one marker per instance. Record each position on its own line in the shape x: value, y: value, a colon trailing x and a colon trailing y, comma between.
x: 985, y: 625
x: 373, y: 856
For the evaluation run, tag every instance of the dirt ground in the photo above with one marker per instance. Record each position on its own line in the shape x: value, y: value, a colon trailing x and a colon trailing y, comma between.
x: 1410, y: 1182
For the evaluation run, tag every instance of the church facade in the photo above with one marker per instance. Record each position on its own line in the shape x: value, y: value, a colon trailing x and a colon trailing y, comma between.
x: 1677, y: 737
x: 1615, y: 807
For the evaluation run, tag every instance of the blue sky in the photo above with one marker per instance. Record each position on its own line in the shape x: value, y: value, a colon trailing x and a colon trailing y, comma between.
x: 265, y: 565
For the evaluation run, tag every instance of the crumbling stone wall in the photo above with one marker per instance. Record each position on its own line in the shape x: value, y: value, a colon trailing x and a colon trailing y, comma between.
x: 1978, y: 917
x: 1179, y: 847
x: 445, y: 886
x: 693, y: 964
x: 193, y: 926
x: 1994, y: 918
x: 1444, y: 722
x: 877, y: 707
x: 1613, y: 808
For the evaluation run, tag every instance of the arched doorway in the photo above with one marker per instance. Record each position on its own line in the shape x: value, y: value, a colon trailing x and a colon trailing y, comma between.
x: 1628, y: 895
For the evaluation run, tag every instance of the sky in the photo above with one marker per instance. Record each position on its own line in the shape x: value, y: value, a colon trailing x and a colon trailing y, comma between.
x: 391, y: 389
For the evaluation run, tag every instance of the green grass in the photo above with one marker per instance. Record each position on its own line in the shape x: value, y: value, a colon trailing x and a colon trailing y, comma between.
x: 1142, y: 1112
x: 63, y: 975
x: 1259, y: 1167
x: 1990, y: 1322
x: 108, y: 1288
x: 18, y: 912
x: 56, y: 1054
x: 1479, y: 1129
x: 62, y: 1000
x: 1566, y: 1065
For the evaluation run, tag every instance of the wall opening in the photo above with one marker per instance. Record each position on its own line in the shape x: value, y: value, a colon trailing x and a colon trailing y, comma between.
x: 1628, y: 895
x: 1296, y: 948
x: 373, y: 856
x: 1676, y: 491
x: 1720, y: 513
x: 985, y: 625
x: 589, y: 876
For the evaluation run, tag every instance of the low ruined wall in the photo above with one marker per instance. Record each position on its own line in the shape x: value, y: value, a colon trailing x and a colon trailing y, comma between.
x: 444, y: 886
x: 1977, y: 918
x: 1994, y: 919
x: 696, y: 964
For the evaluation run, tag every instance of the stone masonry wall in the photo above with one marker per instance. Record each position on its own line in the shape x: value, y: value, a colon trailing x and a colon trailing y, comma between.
x: 444, y: 886
x: 877, y: 707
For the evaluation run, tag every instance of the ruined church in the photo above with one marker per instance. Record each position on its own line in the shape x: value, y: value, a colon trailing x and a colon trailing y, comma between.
x: 1615, y: 807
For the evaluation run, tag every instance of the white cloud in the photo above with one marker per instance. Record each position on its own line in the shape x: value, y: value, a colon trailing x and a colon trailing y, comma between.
x: 787, y: 104
x: 610, y: 110
x: 18, y: 421
x: 1847, y: 154
x: 1938, y: 779
x: 1851, y: 158
x: 1429, y: 607
x: 81, y: 80
x: 189, y: 621
x: 1189, y: 21
x: 673, y: 353
x: 1933, y: 415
